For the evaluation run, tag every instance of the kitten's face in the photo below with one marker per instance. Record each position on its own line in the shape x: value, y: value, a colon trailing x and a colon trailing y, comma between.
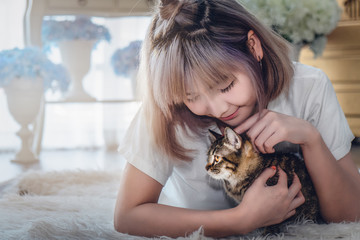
x: 223, y: 155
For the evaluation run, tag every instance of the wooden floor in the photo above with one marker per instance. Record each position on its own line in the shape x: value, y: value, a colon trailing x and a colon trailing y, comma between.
x: 81, y: 160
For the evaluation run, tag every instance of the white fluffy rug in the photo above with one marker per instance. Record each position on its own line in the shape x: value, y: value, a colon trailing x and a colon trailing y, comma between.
x: 80, y: 205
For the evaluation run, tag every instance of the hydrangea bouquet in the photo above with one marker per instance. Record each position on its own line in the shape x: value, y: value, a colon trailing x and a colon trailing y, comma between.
x: 81, y: 28
x: 300, y: 22
x: 126, y: 60
x: 32, y: 63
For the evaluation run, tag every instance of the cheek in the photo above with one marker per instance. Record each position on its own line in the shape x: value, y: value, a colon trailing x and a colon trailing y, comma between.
x: 197, y: 108
x: 221, y: 173
x: 243, y: 97
x: 243, y: 93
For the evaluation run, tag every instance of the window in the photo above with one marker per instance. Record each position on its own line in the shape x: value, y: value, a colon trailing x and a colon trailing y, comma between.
x: 95, y: 124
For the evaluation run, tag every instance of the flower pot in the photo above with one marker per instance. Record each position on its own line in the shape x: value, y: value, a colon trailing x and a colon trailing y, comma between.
x: 76, y: 57
x: 24, y: 97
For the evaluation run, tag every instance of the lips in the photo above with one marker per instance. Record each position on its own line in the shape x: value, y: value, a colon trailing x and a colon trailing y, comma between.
x: 233, y: 115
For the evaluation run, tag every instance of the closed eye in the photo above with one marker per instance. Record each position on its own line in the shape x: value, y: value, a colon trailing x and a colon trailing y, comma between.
x: 228, y: 88
x: 192, y: 99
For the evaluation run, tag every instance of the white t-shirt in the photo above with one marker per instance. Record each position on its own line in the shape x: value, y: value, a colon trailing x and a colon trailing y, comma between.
x: 186, y: 184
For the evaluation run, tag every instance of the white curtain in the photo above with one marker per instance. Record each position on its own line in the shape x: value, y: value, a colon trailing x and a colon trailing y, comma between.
x: 11, y: 32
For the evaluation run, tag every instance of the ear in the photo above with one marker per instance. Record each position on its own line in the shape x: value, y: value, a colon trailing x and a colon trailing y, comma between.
x: 254, y: 45
x: 214, y: 135
x: 234, y: 139
x: 249, y: 149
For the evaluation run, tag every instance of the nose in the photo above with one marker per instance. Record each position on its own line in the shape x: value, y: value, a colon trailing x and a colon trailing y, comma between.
x: 216, y: 106
x: 207, y: 167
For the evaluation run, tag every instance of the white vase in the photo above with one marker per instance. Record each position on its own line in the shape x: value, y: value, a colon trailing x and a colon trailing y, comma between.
x: 76, y: 57
x: 24, y: 97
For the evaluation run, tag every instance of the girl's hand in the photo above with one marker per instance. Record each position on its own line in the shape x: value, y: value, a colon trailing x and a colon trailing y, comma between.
x: 268, y: 205
x: 269, y: 128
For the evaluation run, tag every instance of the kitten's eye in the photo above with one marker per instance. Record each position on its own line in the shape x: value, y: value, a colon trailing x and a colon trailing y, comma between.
x: 217, y: 158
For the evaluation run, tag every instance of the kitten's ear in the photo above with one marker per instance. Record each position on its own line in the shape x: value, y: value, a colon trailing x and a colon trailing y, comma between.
x: 214, y: 135
x: 233, y: 138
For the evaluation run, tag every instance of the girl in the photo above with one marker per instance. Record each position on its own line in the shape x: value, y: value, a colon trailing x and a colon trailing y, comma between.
x: 209, y: 64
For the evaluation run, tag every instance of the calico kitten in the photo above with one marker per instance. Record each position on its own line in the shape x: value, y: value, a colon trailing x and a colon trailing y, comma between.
x: 232, y: 159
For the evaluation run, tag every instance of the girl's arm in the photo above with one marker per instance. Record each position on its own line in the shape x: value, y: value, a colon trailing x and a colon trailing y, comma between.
x: 337, y: 183
x: 138, y: 213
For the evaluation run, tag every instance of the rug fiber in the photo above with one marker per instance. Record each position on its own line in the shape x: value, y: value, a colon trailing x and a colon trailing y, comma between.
x: 80, y: 205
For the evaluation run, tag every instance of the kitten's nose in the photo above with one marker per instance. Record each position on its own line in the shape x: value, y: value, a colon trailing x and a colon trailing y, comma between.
x: 207, y: 166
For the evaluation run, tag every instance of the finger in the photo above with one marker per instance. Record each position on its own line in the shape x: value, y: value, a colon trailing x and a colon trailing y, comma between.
x: 271, y: 135
x: 269, y: 146
x: 254, y: 133
x: 261, y: 142
x: 271, y: 142
x: 290, y: 214
x: 248, y: 123
x: 258, y: 133
x: 274, y: 137
x: 295, y: 187
x: 282, y: 178
x: 297, y: 201
x: 257, y: 127
x: 261, y: 131
x: 265, y: 175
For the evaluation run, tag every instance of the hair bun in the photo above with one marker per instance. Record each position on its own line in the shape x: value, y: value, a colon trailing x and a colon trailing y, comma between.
x: 169, y: 8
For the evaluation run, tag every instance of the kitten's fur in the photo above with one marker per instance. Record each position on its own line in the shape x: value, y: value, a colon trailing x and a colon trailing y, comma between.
x: 233, y: 159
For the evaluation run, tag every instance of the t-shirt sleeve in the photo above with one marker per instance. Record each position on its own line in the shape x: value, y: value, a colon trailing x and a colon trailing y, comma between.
x: 140, y: 152
x: 325, y: 113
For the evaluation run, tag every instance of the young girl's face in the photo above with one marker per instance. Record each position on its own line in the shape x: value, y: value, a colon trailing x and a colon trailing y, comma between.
x: 231, y: 102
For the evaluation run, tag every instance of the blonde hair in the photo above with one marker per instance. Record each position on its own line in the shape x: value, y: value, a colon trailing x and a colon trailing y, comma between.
x: 191, y: 42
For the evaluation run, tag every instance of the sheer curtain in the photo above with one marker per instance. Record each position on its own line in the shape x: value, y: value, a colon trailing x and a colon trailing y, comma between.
x: 79, y: 125
x: 11, y: 29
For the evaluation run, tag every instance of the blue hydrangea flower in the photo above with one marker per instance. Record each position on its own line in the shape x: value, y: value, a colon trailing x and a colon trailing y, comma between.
x: 126, y: 60
x: 31, y: 63
x: 81, y: 28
